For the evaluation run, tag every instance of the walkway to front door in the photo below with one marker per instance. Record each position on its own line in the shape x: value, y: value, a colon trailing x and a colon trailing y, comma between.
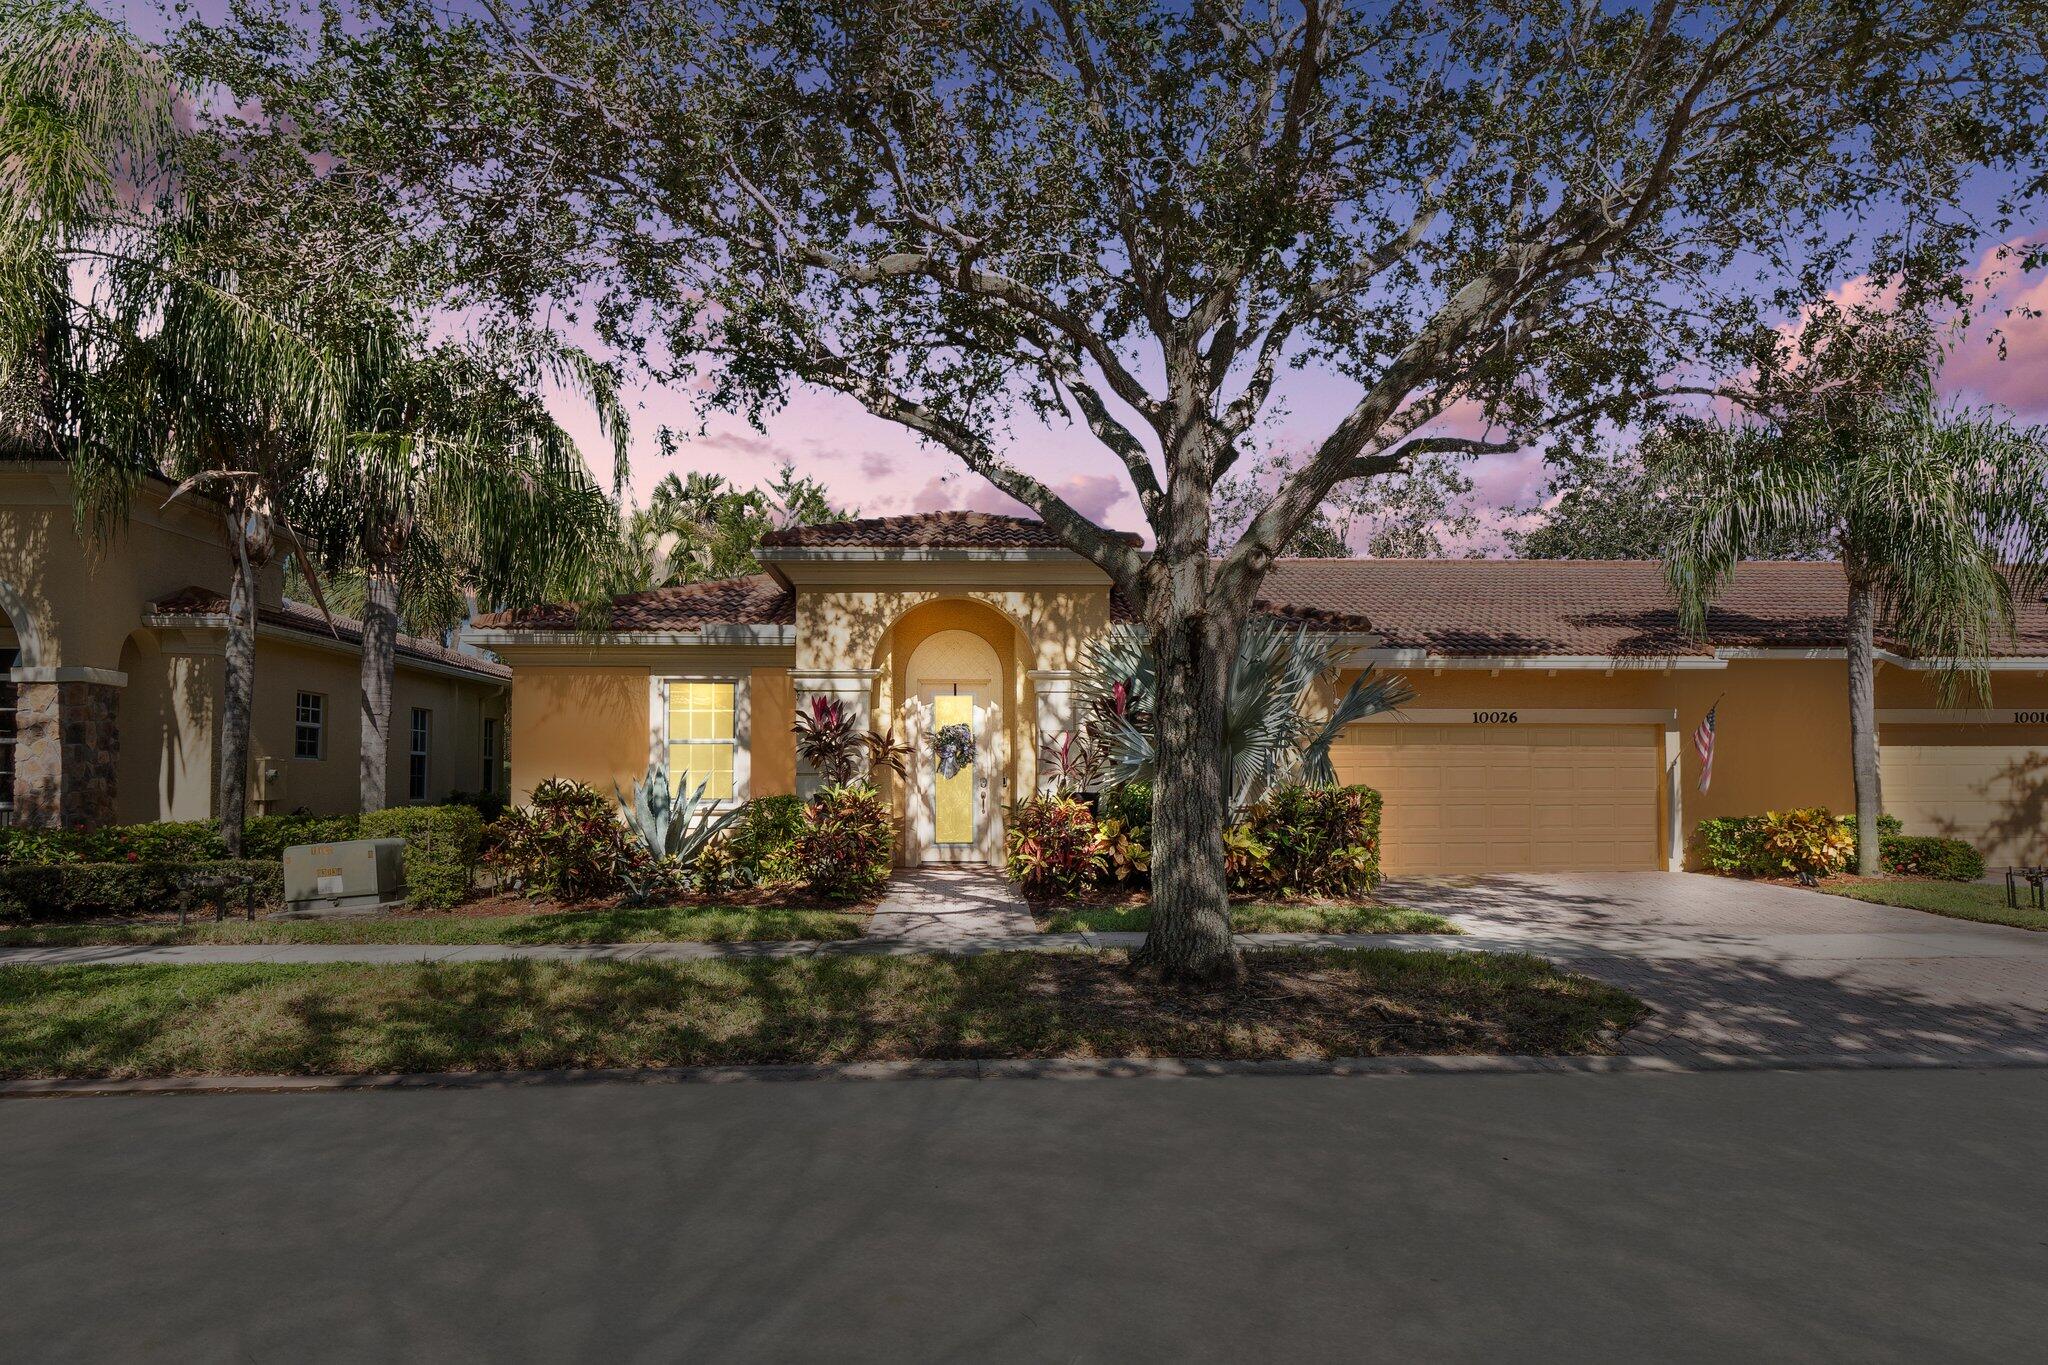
x: 950, y: 907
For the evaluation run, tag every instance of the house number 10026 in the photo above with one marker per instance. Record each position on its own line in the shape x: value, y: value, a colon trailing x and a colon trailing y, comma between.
x: 1495, y: 718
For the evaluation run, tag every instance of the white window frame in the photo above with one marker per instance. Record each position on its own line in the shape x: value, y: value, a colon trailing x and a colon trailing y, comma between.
x: 318, y: 726
x: 419, y: 747
x: 490, y: 742
x: 742, y: 728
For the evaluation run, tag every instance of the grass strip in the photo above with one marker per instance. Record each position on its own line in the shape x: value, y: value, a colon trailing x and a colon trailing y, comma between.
x: 340, y: 1019
x: 674, y: 924
x: 1979, y: 901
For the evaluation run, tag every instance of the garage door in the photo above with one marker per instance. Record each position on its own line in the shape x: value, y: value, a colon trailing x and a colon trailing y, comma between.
x: 1993, y: 795
x: 1542, y: 798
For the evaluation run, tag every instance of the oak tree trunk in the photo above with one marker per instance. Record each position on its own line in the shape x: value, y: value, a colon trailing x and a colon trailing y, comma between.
x: 1863, y: 759
x: 1189, y: 939
x: 231, y: 791
x: 380, y: 654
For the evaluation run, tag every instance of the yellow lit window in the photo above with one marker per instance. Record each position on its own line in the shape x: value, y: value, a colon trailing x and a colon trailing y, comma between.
x: 700, y: 738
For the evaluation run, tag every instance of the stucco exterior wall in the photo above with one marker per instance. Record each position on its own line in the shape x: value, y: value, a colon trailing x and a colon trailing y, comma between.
x: 848, y: 627
x: 84, y: 601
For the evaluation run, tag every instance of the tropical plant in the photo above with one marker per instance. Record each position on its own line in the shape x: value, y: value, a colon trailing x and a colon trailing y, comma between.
x: 1068, y: 762
x: 1939, y: 515
x: 673, y: 828
x: 1053, y: 848
x: 703, y: 527
x: 566, y: 842
x: 760, y: 842
x: 1247, y: 859
x: 1270, y: 733
x: 885, y: 752
x: 848, y: 837
x: 1126, y: 856
x: 827, y: 740
x: 1320, y: 841
x: 1808, y: 843
x: 456, y: 481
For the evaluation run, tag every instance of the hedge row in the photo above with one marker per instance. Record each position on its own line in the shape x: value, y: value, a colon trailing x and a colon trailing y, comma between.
x: 71, y: 891
x: 443, y: 845
x: 1733, y: 846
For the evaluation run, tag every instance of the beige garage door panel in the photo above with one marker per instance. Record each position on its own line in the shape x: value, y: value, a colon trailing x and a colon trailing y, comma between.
x: 1551, y: 798
x: 1995, y: 796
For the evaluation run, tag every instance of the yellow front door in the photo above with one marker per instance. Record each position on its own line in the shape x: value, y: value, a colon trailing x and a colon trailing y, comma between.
x: 953, y: 797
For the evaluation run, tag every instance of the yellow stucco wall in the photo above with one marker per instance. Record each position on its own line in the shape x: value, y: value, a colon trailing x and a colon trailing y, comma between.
x: 580, y: 724
x: 774, y: 709
x: 169, y: 716
x: 840, y: 628
x: 84, y: 601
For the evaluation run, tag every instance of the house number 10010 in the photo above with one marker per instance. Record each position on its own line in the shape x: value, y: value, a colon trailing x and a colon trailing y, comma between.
x: 1495, y: 718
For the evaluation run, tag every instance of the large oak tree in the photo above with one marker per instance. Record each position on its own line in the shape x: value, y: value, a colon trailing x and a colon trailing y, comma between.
x: 968, y: 213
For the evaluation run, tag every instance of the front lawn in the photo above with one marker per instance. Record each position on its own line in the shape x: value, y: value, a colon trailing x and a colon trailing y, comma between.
x: 1303, y: 918
x: 1978, y: 901
x: 677, y: 924
x: 344, y: 1019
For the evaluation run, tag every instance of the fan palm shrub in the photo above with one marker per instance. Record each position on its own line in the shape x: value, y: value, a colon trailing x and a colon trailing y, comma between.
x: 1271, y: 731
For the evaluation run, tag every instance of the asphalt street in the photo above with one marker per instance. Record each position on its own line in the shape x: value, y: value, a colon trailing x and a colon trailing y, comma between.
x: 1809, y: 1216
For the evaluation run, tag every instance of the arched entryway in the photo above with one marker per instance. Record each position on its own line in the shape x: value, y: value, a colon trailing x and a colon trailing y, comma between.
x: 952, y: 672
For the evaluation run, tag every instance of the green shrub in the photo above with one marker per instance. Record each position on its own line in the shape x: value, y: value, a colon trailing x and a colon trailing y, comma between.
x: 1740, y: 846
x: 761, y: 840
x: 268, y: 836
x: 1054, y: 849
x: 845, y: 846
x: 1130, y: 806
x: 28, y: 845
x: 1926, y: 855
x: 488, y: 805
x: 567, y: 843
x: 1320, y: 841
x: 442, y: 847
x: 79, y: 890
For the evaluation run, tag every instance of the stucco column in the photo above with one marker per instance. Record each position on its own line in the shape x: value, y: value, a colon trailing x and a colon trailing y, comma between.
x: 854, y: 689
x: 1053, y: 690
x: 1674, y: 799
x: 66, y: 746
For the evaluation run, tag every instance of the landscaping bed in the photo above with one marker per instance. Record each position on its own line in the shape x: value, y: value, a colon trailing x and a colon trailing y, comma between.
x: 1133, y: 914
x: 347, y: 1019
x: 499, y: 920
x: 1979, y: 901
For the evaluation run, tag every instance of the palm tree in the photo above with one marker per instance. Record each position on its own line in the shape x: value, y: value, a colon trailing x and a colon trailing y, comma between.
x: 1939, y: 515
x: 1270, y: 735
x: 456, y: 481
x: 126, y: 350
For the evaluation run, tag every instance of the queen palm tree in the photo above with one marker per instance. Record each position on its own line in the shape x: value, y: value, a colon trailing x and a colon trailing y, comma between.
x: 127, y: 349
x: 459, y: 483
x: 1939, y: 515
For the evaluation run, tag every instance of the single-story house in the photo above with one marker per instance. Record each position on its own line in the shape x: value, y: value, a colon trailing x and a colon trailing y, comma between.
x: 1551, y: 729
x: 111, y: 676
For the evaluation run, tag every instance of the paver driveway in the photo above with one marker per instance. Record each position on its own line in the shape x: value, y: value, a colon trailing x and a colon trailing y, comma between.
x: 1739, y: 968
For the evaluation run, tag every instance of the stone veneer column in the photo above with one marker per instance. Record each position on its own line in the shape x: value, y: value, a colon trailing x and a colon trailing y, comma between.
x: 67, y: 745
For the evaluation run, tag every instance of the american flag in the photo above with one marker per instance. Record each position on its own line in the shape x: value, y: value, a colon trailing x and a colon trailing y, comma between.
x: 1703, y: 744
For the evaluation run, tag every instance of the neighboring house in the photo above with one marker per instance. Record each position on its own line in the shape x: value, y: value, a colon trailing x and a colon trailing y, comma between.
x: 110, y: 709
x: 1550, y: 730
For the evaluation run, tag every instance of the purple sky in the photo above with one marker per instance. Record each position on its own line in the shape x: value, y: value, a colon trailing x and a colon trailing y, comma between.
x: 881, y: 469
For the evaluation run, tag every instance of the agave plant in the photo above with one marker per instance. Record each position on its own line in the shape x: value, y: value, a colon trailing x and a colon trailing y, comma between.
x: 668, y: 827
x: 1268, y: 731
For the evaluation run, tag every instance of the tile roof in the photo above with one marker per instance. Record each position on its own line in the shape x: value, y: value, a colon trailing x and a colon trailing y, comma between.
x: 925, y: 531
x: 1582, y: 607
x: 756, y: 599
x: 195, y: 601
